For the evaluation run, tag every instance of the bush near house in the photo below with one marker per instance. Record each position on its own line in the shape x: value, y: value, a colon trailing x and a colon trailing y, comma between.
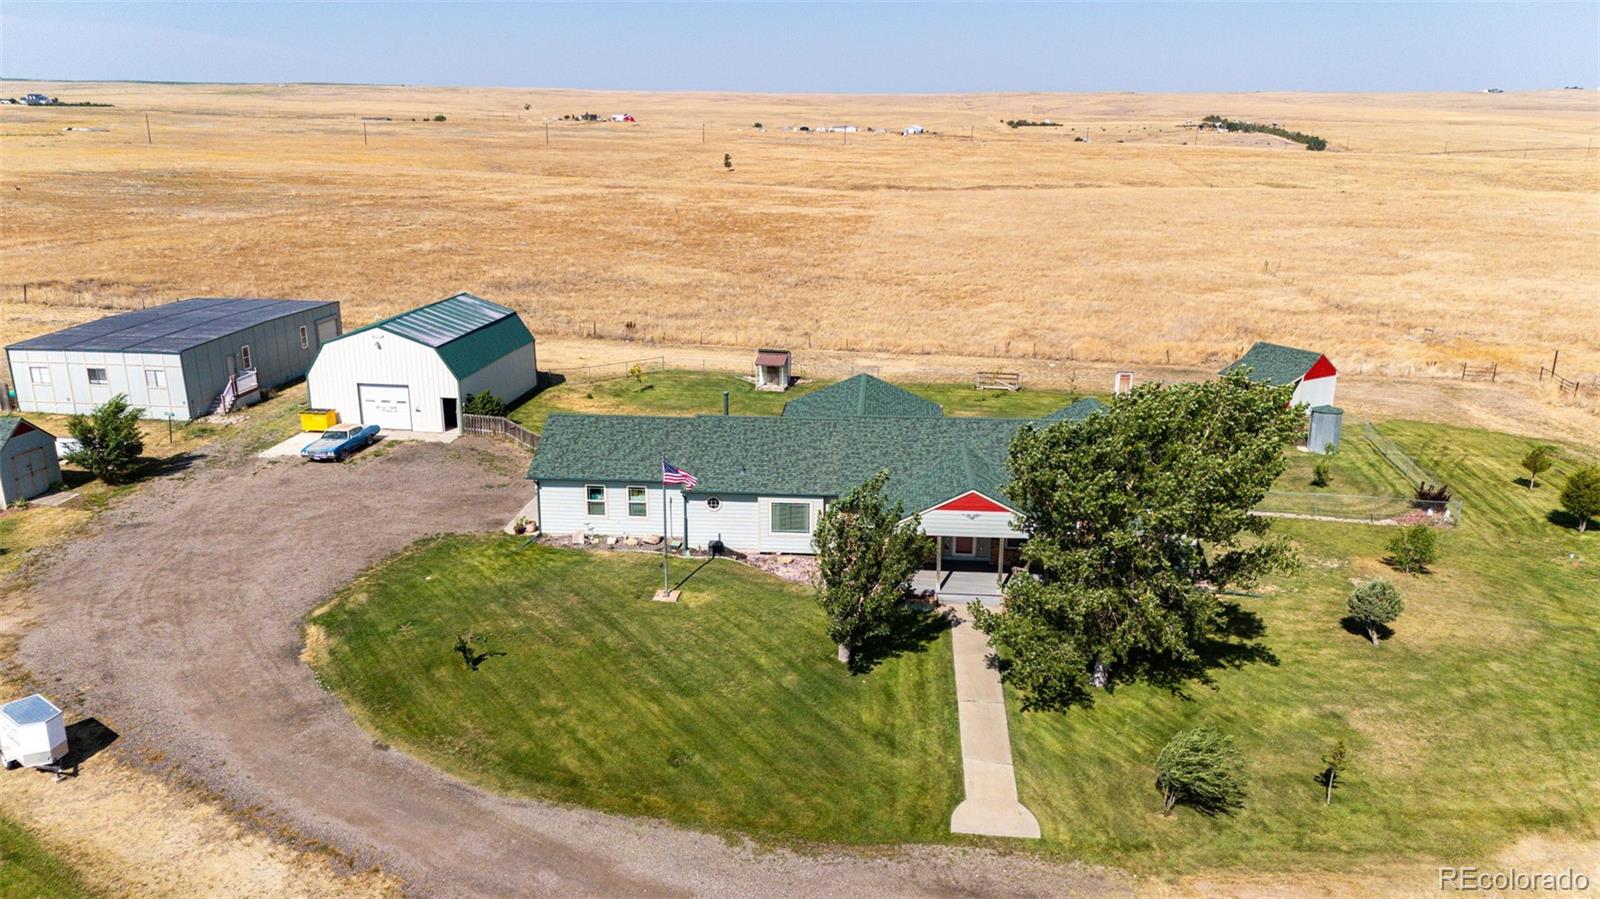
x: 485, y: 403
x: 109, y: 439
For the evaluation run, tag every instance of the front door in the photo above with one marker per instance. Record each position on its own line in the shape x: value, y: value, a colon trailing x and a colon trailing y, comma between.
x: 450, y: 422
x: 966, y: 547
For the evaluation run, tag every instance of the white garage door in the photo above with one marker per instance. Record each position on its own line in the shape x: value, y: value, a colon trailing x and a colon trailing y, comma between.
x: 386, y: 405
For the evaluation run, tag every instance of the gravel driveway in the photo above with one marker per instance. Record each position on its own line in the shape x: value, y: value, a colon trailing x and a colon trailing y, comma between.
x: 180, y: 622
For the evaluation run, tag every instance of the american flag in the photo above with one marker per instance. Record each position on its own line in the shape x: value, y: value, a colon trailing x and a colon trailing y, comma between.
x: 671, y: 474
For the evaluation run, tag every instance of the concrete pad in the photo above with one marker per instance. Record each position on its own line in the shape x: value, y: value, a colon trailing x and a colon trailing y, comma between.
x: 300, y: 441
x: 290, y: 447
x: 56, y: 499
x: 990, y: 807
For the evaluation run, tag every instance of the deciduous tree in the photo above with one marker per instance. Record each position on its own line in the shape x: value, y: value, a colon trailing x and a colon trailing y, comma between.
x: 1201, y: 768
x: 866, y: 558
x: 1332, y: 763
x: 109, y: 440
x: 1414, y: 547
x: 1537, y: 462
x: 1137, y: 517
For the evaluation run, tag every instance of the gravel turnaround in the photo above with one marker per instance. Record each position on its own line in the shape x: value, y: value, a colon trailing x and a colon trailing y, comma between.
x: 180, y: 619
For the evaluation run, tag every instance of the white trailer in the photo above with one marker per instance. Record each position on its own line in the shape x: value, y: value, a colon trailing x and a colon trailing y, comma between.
x: 32, y: 733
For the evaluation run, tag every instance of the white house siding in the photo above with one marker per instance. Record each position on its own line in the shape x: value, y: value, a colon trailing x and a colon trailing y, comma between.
x: 508, y: 377
x: 742, y: 522
x: 771, y: 542
x: 34, y: 448
x: 69, y: 389
x: 971, y: 524
x: 1316, y: 392
x: 358, y: 359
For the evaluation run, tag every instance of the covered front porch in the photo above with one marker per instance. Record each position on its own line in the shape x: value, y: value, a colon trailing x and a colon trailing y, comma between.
x: 967, y: 569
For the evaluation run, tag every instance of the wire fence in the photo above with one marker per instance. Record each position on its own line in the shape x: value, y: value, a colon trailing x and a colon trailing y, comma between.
x: 1395, y: 456
x: 1358, y: 508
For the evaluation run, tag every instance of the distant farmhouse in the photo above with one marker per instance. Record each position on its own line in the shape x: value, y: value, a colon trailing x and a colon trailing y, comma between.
x: 763, y: 480
x: 181, y: 360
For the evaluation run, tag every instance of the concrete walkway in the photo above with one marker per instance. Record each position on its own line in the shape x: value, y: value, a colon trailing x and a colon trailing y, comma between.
x: 991, y: 807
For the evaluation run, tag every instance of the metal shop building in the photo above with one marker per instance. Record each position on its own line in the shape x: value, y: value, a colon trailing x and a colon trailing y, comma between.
x: 414, y: 371
x: 185, y: 359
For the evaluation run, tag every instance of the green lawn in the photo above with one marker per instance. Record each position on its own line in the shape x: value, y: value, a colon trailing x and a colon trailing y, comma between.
x: 726, y: 710
x: 695, y: 393
x: 1357, y: 468
x: 1473, y: 726
x: 29, y: 871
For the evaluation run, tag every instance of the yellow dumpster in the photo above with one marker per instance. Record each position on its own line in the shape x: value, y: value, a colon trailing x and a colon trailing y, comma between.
x: 318, y: 419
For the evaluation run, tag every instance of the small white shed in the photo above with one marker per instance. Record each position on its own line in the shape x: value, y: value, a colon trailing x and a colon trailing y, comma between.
x: 414, y: 371
x: 772, y: 369
x: 32, y: 732
x: 28, y: 463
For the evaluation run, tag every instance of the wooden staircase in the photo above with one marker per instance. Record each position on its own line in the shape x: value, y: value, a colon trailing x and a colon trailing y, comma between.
x: 240, y: 387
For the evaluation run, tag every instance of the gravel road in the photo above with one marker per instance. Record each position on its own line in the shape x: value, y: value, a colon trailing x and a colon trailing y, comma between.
x: 179, y: 620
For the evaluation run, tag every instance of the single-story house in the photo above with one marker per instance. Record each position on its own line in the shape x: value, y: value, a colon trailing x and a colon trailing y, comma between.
x: 28, y: 464
x: 1313, y: 376
x: 180, y: 360
x: 764, y: 480
x: 414, y: 371
x: 772, y: 369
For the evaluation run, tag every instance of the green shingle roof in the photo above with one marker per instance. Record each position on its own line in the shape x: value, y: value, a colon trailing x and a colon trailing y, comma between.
x: 468, y: 331
x: 8, y: 424
x: 1270, y: 363
x: 929, y: 459
x: 1078, y: 411
x: 862, y: 395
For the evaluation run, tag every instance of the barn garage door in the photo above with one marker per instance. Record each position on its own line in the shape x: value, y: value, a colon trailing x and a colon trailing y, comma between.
x: 386, y: 405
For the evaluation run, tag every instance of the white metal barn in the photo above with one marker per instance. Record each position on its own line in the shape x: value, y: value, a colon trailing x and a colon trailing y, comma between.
x: 414, y: 371
x: 28, y: 464
x: 180, y: 360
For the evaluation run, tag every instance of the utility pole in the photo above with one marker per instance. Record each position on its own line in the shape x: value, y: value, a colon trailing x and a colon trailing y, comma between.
x: 147, y: 138
x: 702, y: 132
x: 363, y: 134
x: 547, y: 134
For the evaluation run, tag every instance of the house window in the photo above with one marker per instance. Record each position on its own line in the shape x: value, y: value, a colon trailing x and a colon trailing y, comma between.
x: 791, y: 518
x: 39, y: 374
x: 155, y: 377
x: 305, y: 339
x: 596, y: 499
x: 713, y: 503
x: 244, y: 357
x: 98, y: 376
x: 636, y: 507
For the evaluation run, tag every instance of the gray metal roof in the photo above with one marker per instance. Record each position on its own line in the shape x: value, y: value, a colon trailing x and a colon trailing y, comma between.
x: 33, y: 709
x: 171, y: 328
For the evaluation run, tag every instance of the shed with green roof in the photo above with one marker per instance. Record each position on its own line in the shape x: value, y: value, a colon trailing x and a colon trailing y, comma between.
x: 1314, y: 378
x: 415, y: 371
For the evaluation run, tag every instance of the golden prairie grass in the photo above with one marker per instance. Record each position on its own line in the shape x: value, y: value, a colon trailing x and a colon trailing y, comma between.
x: 1147, y: 243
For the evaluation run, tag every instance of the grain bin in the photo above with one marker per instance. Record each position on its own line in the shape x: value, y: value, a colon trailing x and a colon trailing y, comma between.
x: 32, y: 733
x: 1326, y: 422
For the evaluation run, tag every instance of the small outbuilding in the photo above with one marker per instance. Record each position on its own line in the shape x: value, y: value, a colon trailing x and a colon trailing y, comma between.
x: 180, y: 360
x: 28, y: 463
x: 1313, y: 376
x: 772, y: 369
x: 414, y: 371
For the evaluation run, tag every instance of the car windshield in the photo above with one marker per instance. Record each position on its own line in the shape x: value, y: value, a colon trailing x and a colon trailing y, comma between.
x: 337, y: 433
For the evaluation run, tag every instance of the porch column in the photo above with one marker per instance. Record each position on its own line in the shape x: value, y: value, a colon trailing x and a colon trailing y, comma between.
x: 1000, y: 569
x: 938, y: 563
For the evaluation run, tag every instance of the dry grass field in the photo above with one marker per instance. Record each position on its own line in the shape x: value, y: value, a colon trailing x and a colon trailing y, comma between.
x: 1147, y: 244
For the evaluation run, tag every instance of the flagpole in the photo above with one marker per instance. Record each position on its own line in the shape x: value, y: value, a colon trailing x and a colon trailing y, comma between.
x: 665, y: 529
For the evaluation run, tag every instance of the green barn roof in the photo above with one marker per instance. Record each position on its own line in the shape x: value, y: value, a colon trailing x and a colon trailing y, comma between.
x: 468, y: 331
x: 1271, y: 363
x: 862, y: 395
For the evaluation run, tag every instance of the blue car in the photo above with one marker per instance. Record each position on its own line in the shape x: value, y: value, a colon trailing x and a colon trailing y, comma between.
x: 340, y: 441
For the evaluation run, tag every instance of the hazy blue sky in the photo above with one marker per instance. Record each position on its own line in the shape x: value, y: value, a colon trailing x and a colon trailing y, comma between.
x: 818, y: 47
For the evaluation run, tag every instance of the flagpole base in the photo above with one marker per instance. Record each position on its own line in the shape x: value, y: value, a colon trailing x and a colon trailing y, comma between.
x: 666, y: 596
